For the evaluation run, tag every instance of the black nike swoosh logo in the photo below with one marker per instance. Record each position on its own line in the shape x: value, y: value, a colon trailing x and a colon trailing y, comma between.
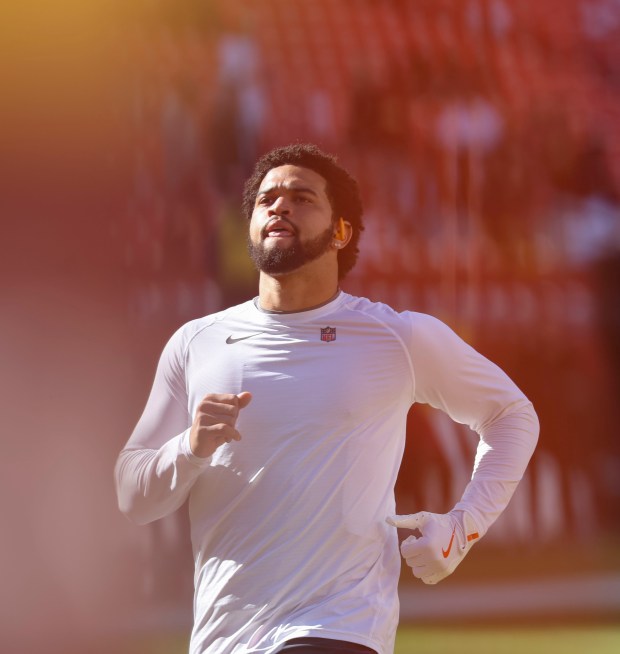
x: 231, y: 339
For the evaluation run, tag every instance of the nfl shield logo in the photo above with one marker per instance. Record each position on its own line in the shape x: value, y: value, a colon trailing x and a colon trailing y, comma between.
x: 328, y: 334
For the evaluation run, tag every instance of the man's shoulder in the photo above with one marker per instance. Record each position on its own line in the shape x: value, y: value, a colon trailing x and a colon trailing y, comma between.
x: 386, y: 313
x: 192, y: 328
x: 367, y: 306
x: 223, y: 314
x: 427, y: 339
x: 411, y: 326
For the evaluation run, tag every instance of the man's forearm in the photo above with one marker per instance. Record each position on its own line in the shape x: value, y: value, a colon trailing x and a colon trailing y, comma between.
x: 151, y: 484
x: 505, y: 449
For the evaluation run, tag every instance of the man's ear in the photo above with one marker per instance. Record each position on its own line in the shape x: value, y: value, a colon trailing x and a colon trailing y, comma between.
x: 342, y: 233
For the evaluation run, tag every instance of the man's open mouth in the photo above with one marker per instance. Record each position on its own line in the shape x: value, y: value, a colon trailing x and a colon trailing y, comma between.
x: 278, y: 229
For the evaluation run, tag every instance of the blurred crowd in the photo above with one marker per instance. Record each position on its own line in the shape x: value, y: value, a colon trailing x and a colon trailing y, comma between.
x: 486, y: 139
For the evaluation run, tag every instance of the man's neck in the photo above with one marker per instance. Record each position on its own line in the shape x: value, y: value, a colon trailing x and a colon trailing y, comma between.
x: 295, y: 291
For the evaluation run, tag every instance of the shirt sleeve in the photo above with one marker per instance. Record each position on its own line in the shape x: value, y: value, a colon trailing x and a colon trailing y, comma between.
x: 453, y: 377
x: 156, y: 469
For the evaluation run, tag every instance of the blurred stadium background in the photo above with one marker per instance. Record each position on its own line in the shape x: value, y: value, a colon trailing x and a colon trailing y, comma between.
x: 486, y: 138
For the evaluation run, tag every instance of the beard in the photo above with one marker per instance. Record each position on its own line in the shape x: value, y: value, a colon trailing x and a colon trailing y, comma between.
x: 278, y: 260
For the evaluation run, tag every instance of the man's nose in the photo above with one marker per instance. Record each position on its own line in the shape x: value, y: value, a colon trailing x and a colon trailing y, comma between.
x: 280, y: 207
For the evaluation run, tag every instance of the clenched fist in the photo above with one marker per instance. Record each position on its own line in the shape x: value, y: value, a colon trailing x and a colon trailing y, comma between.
x: 445, y: 539
x: 214, y: 422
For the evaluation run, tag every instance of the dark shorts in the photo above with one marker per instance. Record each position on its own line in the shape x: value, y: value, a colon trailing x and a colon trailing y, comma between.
x: 323, y: 646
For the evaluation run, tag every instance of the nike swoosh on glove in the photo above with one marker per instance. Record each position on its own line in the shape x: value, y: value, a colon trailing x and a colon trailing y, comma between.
x: 446, y: 538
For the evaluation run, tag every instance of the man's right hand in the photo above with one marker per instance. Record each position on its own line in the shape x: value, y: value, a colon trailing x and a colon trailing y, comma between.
x: 214, y: 422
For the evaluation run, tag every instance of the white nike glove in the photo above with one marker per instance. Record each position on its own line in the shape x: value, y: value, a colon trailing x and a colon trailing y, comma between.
x: 446, y: 538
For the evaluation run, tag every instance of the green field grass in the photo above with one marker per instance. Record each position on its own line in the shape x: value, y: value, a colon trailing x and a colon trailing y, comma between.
x: 494, y: 640
x: 457, y: 640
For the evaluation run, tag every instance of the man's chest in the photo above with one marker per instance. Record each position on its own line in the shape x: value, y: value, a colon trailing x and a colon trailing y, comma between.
x: 318, y: 371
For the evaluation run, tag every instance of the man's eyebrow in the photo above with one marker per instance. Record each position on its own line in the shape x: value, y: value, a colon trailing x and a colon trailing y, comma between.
x: 297, y: 189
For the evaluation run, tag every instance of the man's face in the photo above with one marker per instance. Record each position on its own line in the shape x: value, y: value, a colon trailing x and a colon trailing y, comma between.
x: 292, y: 221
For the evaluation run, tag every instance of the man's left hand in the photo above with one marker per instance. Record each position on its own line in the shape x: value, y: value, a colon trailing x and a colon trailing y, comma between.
x: 443, y: 542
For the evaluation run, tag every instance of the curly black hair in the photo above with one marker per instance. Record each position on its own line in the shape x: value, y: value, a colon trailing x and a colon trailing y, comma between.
x: 342, y: 190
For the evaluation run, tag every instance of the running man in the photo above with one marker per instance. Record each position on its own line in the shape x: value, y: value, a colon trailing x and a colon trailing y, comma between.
x: 283, y: 421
